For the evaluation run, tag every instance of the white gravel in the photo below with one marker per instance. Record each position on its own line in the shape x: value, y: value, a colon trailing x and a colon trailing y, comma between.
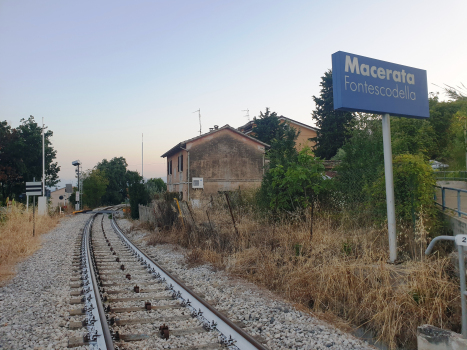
x: 265, y: 315
x: 34, y: 306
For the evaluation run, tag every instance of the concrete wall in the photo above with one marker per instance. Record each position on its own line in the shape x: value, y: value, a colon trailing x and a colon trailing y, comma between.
x: 146, y: 214
x: 226, y: 161
x: 433, y: 338
x: 457, y: 225
x: 152, y: 214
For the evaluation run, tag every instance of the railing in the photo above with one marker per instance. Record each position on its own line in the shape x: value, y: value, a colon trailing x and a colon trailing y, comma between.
x: 443, y: 205
x: 451, y: 175
x: 460, y: 241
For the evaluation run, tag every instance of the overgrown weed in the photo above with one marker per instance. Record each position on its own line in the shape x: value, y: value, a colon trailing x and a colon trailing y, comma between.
x: 340, y: 269
x: 16, y: 236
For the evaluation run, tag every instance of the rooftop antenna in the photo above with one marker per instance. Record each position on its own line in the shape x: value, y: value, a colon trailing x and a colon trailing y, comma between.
x: 199, y: 115
x: 247, y: 113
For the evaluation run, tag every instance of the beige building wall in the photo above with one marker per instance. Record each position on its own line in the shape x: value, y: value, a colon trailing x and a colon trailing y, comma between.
x: 226, y: 160
x: 176, y: 182
x: 55, y: 200
x: 302, y: 139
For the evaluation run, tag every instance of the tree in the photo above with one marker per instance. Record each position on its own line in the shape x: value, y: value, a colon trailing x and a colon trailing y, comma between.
x: 9, y: 165
x: 137, y: 192
x: 332, y: 124
x: 94, y: 187
x: 21, y: 155
x: 116, y: 172
x: 269, y: 129
x: 296, y: 185
x: 362, y: 158
x: 155, y: 186
x: 456, y: 93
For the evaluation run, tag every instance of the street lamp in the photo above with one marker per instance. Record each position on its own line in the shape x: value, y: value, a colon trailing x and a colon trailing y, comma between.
x: 77, y: 163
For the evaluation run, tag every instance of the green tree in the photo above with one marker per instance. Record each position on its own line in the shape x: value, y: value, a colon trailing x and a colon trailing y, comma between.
x: 332, y: 132
x: 21, y: 155
x: 116, y: 172
x: 10, y: 173
x: 413, y: 136
x: 155, y: 186
x: 296, y: 186
x: 362, y: 158
x: 137, y: 192
x: 94, y: 187
x: 269, y: 129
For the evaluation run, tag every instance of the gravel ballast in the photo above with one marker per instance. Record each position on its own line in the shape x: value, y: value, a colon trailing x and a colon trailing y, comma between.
x: 264, y: 315
x: 34, y: 305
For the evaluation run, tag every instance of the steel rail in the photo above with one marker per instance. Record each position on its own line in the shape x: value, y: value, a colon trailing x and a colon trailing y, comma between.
x: 98, y: 328
x: 237, y: 337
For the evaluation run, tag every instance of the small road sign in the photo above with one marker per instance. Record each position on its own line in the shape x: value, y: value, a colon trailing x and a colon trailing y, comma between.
x: 461, y: 240
x: 34, y: 188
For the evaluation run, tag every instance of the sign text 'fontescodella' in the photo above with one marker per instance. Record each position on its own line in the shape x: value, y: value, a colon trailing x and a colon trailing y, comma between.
x: 368, y: 85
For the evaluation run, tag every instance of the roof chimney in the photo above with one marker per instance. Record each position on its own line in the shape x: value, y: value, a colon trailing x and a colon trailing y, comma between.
x: 216, y: 127
x: 211, y: 129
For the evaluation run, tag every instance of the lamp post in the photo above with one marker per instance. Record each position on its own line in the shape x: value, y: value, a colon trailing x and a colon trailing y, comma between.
x: 78, y: 163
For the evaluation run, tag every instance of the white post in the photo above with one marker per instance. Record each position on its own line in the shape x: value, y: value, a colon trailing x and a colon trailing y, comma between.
x: 27, y: 202
x: 43, y: 158
x: 142, y: 164
x: 388, y: 174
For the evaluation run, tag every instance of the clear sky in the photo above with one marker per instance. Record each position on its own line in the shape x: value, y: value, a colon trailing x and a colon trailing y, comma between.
x: 101, y: 73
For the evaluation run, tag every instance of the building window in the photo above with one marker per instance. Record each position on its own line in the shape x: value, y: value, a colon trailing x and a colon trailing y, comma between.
x: 169, y: 167
x: 180, y: 163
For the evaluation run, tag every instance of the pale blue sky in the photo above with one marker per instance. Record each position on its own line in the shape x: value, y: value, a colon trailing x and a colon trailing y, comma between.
x: 103, y: 72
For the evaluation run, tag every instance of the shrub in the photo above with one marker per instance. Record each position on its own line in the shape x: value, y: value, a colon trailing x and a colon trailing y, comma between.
x: 414, y: 183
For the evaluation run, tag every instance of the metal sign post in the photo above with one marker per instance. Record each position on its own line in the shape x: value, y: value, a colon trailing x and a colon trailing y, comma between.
x: 460, y: 241
x: 364, y: 84
x: 388, y: 175
x: 33, y: 189
x: 33, y: 218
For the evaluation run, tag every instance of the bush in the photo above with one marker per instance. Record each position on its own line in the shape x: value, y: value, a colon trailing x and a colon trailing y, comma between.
x: 414, y: 183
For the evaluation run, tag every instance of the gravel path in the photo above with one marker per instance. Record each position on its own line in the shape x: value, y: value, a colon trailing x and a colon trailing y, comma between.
x: 274, y: 321
x: 34, y: 306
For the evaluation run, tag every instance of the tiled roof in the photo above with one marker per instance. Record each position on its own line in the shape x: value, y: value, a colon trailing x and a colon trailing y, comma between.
x: 182, y: 145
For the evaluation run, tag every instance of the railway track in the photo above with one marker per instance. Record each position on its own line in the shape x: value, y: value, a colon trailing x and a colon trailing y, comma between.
x: 128, y: 301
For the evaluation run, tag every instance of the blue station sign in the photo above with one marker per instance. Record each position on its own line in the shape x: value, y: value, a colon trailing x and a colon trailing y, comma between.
x: 363, y: 84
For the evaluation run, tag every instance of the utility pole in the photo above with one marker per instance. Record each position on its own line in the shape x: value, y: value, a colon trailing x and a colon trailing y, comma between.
x: 247, y: 113
x: 79, y: 191
x: 199, y: 115
x: 43, y: 157
x: 142, y: 150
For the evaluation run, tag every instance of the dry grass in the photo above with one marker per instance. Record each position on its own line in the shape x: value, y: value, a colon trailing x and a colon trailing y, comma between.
x: 16, y: 239
x: 340, y: 270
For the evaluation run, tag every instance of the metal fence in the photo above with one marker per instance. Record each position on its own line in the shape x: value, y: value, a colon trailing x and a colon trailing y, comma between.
x: 451, y: 175
x: 454, y: 199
